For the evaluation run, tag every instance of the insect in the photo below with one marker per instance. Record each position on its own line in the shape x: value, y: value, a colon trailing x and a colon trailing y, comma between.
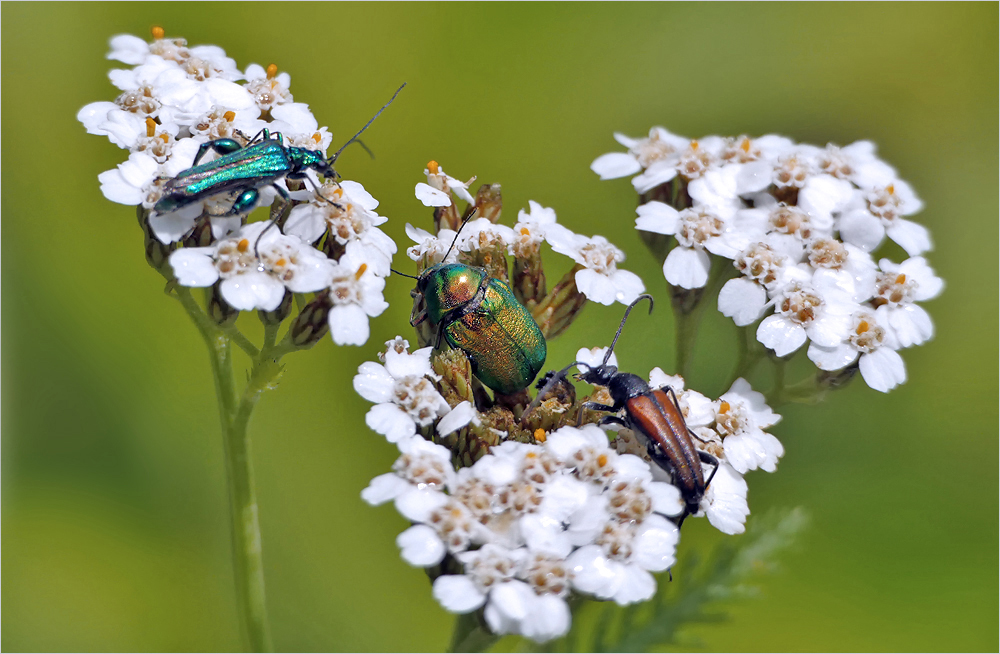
x: 262, y: 162
x: 479, y: 315
x: 652, y: 413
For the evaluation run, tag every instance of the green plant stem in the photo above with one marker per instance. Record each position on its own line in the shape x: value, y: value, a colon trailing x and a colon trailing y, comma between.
x: 234, y: 418
x: 242, y: 341
x: 750, y: 353
x: 470, y: 635
x: 688, y: 320
x: 807, y: 391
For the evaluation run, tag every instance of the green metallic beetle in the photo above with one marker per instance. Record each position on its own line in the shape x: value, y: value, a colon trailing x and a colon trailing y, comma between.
x: 479, y: 315
x: 245, y: 170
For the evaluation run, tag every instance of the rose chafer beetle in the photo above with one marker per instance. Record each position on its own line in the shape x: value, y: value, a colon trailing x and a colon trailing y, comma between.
x: 248, y: 169
x: 655, y: 416
x: 479, y: 315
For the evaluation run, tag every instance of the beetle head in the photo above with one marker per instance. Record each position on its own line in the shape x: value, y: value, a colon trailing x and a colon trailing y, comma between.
x: 599, y: 375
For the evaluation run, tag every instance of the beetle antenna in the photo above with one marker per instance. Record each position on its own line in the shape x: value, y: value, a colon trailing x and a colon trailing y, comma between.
x: 355, y: 137
x: 402, y: 274
x: 644, y: 296
x: 548, y: 387
x: 465, y: 221
x: 365, y: 148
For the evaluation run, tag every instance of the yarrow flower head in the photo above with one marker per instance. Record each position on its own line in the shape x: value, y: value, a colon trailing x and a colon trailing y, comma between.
x: 324, y: 238
x: 799, y: 223
x: 255, y: 265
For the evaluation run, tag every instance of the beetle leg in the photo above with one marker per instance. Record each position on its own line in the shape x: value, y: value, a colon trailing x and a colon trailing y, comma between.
x: 711, y: 460
x: 439, y: 336
x: 613, y: 420
x: 597, y: 406
x: 274, y: 221
x: 219, y: 146
x: 244, y: 203
x: 263, y: 134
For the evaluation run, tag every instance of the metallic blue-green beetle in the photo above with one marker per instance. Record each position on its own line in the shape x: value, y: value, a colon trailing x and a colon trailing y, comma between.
x: 479, y: 315
x: 249, y: 168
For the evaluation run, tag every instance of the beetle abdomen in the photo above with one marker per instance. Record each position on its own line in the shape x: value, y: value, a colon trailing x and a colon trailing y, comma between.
x: 502, y: 340
x: 258, y: 164
x: 656, y: 416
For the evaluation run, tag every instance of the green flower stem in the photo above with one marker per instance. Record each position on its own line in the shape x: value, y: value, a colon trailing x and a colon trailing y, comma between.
x: 750, y: 354
x: 807, y: 391
x: 234, y: 418
x: 688, y: 318
x: 247, y: 556
x: 242, y: 341
x: 470, y: 635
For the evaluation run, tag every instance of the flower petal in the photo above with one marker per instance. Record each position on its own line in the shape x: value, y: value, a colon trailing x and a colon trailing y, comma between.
x: 420, y: 546
x: 390, y: 421
x: 430, y: 196
x: 458, y: 593
x: 742, y: 300
x: 614, y: 165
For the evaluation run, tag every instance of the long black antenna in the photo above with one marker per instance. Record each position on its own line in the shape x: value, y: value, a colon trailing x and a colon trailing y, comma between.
x: 354, y: 138
x: 402, y: 274
x: 644, y: 296
x: 465, y: 221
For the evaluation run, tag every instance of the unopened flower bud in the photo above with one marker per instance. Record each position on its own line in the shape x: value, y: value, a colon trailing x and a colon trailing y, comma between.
x: 218, y: 310
x: 561, y: 306
x: 832, y: 380
x: 201, y: 235
x: 157, y: 253
x: 455, y: 370
x: 492, y: 257
x: 311, y: 324
x: 489, y: 202
x: 277, y: 316
x: 528, y: 279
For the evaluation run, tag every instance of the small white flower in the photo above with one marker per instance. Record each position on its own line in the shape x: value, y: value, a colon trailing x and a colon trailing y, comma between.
x: 881, y: 366
x: 222, y: 122
x: 897, y: 289
x: 741, y: 415
x: 856, y: 163
x: 819, y: 310
x: 481, y: 234
x: 658, y: 154
x: 403, y: 392
x: 529, y: 231
x: 437, y: 191
x: 430, y: 247
x: 880, y: 214
x: 600, y: 280
x: 299, y: 127
x: 356, y: 294
x: 345, y: 211
x: 268, y: 87
x: 254, y: 280
x: 698, y: 230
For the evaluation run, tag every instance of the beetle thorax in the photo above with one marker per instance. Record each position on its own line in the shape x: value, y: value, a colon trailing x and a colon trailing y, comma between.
x: 302, y: 158
x: 447, y: 287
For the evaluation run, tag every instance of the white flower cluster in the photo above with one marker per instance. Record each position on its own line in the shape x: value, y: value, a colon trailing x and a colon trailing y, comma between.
x: 799, y: 222
x: 176, y: 98
x: 599, y: 278
x: 529, y: 524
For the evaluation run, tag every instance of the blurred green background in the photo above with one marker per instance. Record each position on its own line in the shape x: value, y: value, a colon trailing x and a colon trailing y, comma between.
x: 115, y: 526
